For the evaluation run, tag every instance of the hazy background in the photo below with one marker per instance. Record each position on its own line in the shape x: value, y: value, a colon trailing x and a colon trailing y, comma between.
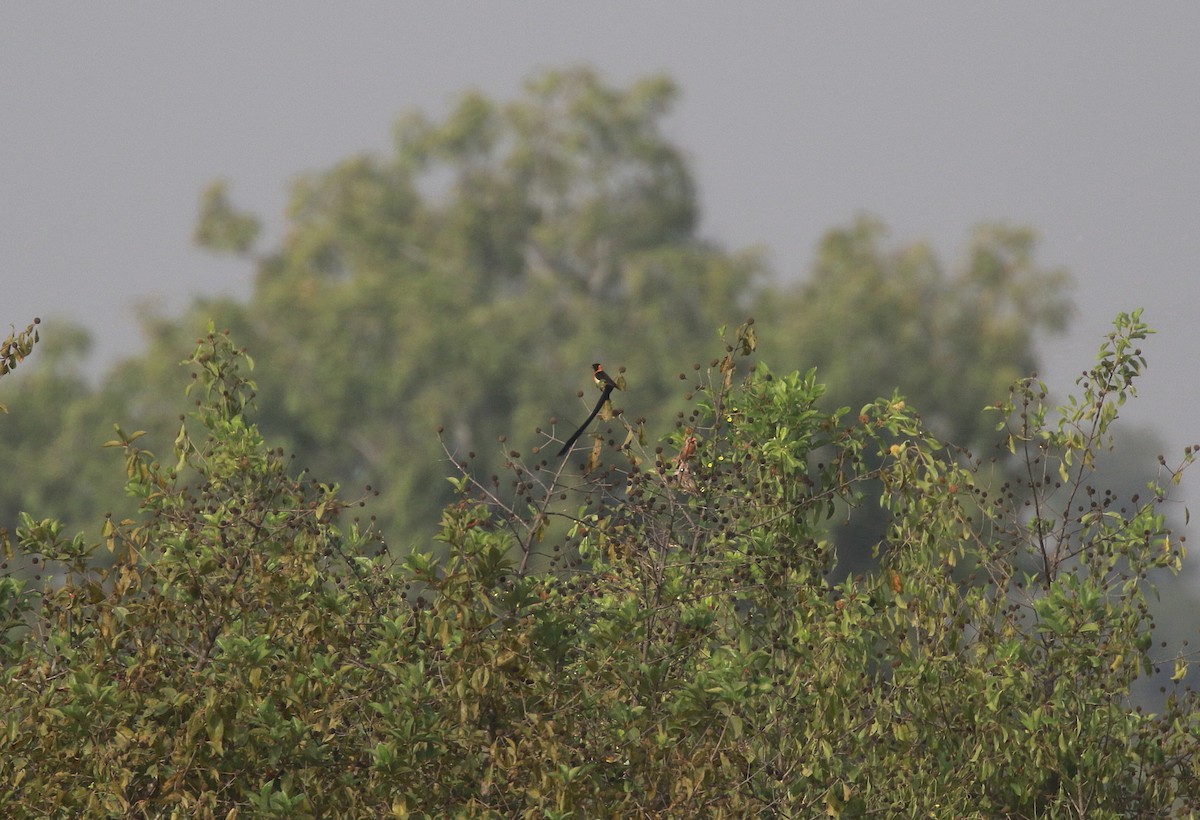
x: 1080, y: 119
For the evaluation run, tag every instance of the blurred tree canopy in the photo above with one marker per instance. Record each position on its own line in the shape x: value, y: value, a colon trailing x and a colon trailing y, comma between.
x: 468, y: 279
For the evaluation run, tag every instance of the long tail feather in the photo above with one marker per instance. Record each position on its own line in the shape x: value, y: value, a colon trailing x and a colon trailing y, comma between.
x: 603, y: 398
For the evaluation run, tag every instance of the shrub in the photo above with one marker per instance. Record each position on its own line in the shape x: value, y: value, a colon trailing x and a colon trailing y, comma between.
x: 654, y: 633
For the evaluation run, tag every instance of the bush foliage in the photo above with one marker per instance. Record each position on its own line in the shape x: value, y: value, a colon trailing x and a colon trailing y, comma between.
x: 652, y: 632
x: 15, y: 347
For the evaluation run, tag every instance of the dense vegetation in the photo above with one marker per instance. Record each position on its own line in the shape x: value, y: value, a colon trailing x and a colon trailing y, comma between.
x: 681, y: 652
x: 745, y: 592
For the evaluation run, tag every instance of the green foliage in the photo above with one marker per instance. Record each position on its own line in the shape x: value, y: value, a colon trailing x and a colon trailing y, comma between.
x: 15, y: 347
x: 873, y: 318
x: 653, y: 635
x: 205, y: 644
x: 51, y: 438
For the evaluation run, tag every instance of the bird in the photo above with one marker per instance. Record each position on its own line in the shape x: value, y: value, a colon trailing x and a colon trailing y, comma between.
x: 607, y: 385
x: 602, y: 378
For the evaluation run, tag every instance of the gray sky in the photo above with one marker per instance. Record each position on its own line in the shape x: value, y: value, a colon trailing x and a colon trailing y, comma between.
x: 1080, y: 119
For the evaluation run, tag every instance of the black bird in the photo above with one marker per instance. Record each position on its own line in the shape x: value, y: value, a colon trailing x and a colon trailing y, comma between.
x: 607, y: 385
